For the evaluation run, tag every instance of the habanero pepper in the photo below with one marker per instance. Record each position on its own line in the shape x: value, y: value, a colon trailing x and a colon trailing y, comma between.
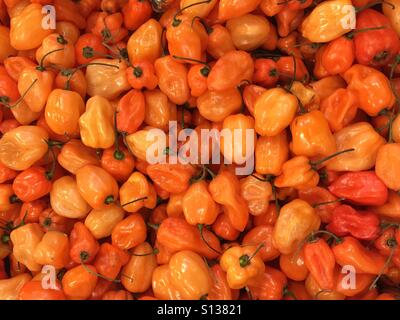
x: 362, y: 225
x: 375, y: 47
x: 320, y: 261
x: 225, y: 190
x: 349, y: 251
x: 242, y: 264
x: 362, y: 188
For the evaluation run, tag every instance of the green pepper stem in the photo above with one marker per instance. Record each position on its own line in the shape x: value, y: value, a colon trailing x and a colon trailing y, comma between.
x: 98, y: 274
x: 245, y: 260
x: 201, y: 228
x: 352, y: 33
x: 176, y: 22
x: 381, y: 272
x: 320, y: 204
x: 315, y: 164
x: 153, y: 225
x: 40, y: 67
x: 133, y: 201
x: 19, y: 100
x: 118, y: 154
x: 372, y: 4
x: 84, y: 65
x: 50, y: 173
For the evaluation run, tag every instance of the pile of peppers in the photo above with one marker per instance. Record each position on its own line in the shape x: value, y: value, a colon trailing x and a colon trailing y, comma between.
x: 85, y: 215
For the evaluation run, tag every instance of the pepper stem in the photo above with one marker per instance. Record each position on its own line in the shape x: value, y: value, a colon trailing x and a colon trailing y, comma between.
x: 294, y: 72
x: 50, y: 173
x: 133, y: 201
x: 153, y: 225
x: 288, y: 293
x: 387, y: 262
x: 118, y: 154
x: 352, y: 33
x: 98, y: 274
x: 19, y: 100
x: 176, y: 22
x: 245, y: 259
x: 71, y: 72
x: 320, y: 204
x: 40, y: 67
x: 372, y: 4
x: 201, y: 228
x: 315, y: 164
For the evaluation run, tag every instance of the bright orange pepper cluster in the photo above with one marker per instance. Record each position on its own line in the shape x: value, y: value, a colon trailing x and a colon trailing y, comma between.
x: 77, y: 193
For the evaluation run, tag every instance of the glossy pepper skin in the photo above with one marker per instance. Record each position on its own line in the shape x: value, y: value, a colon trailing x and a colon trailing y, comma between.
x: 130, y: 112
x: 189, y: 275
x: 325, y: 21
x: 375, y: 47
x: 136, y: 193
x: 172, y: 77
x: 362, y: 225
x: 240, y: 272
x: 53, y: 249
x: 364, y: 140
x: 62, y: 111
x: 274, y: 111
x: 320, y: 261
x: 362, y: 188
x: 340, y: 108
x: 351, y: 252
x: 145, y: 43
x: 96, y: 186
x: 139, y: 269
x: 36, y: 96
x: 271, y: 153
x: 230, y: 70
x: 387, y: 165
x: 338, y: 56
x: 304, y: 177
x: 296, y: 221
x: 176, y: 234
x: 225, y: 190
x: 32, y: 184
x: 198, y: 206
x: 97, y: 123
x: 269, y: 286
x: 83, y: 247
x: 21, y: 147
x: 372, y: 87
x: 26, y: 32
x: 311, y: 135
x: 25, y: 239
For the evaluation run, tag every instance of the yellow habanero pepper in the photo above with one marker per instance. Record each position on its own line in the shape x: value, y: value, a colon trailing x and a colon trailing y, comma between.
x: 364, y: 140
x: 274, y: 110
x: 106, y: 78
x: 97, y: 123
x: 26, y: 31
x: 295, y: 222
x: 62, y: 112
x: 145, y: 43
x: 241, y: 265
x: 25, y: 239
x: 329, y: 20
x: 23, y: 146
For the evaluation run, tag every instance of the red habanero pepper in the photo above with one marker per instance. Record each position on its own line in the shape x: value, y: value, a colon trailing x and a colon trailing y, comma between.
x: 350, y: 251
x: 320, y: 261
x: 375, y: 47
x: 362, y: 225
x: 362, y: 188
